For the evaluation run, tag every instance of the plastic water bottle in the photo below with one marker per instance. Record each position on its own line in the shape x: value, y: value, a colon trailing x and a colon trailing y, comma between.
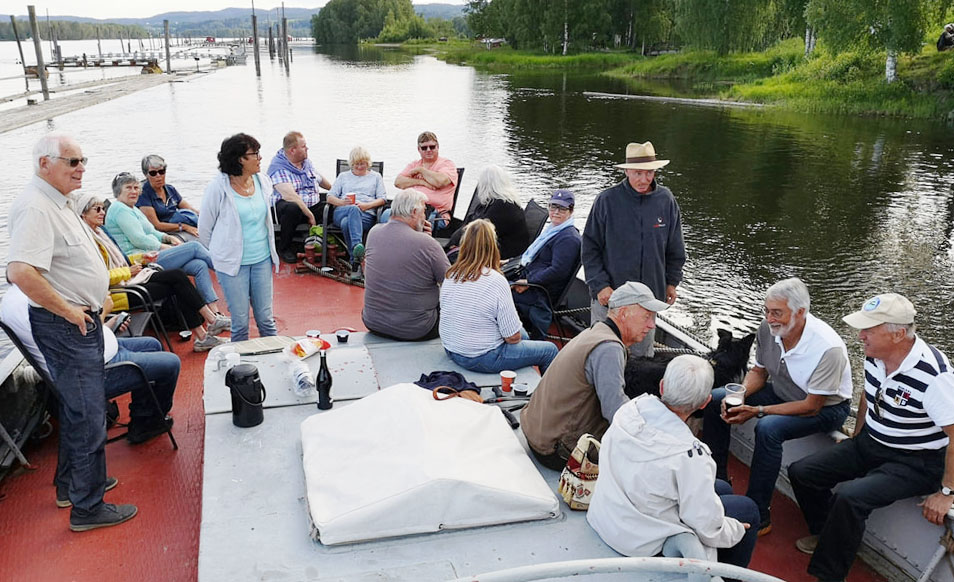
x: 304, y: 385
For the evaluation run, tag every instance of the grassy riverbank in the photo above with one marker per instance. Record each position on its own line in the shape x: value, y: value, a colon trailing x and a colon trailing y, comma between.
x: 847, y: 83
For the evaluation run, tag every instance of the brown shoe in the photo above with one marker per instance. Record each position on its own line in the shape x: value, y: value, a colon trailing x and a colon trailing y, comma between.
x: 807, y: 544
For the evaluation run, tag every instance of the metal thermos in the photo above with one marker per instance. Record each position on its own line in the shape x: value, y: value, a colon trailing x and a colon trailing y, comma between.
x: 248, y: 395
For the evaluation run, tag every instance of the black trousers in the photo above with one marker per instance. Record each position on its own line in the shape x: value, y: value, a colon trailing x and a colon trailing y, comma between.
x: 872, y: 475
x: 175, y: 282
x: 289, y: 217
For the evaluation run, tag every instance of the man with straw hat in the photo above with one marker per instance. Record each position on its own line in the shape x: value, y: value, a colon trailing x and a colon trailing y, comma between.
x: 634, y: 233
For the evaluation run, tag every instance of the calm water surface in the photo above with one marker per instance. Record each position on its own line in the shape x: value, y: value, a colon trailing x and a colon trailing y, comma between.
x: 854, y: 206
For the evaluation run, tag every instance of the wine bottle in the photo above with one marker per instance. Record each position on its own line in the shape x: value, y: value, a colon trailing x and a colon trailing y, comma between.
x: 323, y: 383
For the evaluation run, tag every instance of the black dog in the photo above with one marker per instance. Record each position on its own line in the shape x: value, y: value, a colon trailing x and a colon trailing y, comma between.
x: 729, y: 362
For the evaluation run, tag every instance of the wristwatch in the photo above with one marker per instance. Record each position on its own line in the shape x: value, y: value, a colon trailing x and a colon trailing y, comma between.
x: 761, y: 412
x: 180, y: 227
x: 945, y: 490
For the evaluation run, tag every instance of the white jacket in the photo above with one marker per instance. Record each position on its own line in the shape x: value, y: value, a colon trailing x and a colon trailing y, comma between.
x: 657, y: 480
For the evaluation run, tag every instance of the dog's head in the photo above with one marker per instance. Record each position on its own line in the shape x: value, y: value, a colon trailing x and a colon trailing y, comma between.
x: 730, y: 359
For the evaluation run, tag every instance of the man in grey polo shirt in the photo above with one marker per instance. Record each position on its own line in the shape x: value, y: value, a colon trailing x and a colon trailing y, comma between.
x: 800, y: 385
x: 54, y: 260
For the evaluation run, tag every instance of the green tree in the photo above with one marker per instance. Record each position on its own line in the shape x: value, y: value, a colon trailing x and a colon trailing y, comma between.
x: 348, y: 21
x: 727, y: 25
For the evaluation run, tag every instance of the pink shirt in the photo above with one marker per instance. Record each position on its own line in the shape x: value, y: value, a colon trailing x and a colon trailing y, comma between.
x: 442, y: 199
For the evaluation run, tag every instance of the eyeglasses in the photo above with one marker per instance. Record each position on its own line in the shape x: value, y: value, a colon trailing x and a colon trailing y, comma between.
x: 98, y: 208
x: 558, y: 208
x: 775, y: 313
x: 425, y: 148
x: 159, y: 172
x: 73, y: 162
x: 252, y: 154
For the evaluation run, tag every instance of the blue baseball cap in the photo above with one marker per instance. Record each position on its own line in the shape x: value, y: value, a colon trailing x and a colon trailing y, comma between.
x: 563, y: 198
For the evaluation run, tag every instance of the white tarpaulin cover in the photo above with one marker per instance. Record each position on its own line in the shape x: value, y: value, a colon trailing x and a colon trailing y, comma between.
x: 399, y: 462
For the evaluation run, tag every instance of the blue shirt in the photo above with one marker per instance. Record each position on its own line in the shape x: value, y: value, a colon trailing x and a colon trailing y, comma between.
x: 367, y: 188
x: 252, y: 211
x: 164, y: 210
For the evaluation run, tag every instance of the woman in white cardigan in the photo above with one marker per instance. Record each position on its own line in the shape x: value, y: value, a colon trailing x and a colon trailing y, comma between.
x: 236, y: 225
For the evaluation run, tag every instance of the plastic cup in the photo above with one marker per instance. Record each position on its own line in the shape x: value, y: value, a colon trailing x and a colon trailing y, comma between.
x: 342, y: 335
x: 150, y: 257
x: 351, y: 197
x: 520, y: 389
x: 313, y: 333
x: 506, y: 379
x: 135, y: 258
x: 734, y: 396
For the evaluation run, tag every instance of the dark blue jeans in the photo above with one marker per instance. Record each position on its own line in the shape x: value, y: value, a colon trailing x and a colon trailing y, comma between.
x: 771, y: 432
x: 75, y: 362
x: 872, y: 476
x: 743, y: 509
x: 534, y: 310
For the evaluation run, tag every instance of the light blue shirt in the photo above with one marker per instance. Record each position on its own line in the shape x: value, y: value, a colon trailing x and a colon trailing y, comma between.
x: 252, y: 214
x: 131, y: 229
x: 367, y: 188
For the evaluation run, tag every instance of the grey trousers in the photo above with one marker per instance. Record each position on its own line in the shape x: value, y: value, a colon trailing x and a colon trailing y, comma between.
x: 644, y: 348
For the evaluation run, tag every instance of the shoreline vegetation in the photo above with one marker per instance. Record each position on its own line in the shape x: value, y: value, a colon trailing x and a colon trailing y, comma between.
x: 782, y: 76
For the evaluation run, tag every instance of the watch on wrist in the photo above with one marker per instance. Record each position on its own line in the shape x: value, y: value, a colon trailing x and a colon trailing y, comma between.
x: 946, y: 490
x: 761, y: 412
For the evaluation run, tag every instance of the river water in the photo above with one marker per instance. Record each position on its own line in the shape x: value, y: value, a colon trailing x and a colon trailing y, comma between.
x: 854, y: 206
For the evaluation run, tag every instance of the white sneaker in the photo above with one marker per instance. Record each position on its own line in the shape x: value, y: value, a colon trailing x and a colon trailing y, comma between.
x: 221, y: 324
x: 207, y: 343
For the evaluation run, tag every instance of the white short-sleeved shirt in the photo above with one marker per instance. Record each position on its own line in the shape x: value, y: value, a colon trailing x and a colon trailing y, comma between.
x: 476, y: 316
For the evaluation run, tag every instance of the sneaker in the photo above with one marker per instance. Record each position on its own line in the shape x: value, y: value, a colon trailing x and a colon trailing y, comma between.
x: 358, y: 253
x: 142, y: 431
x: 63, y: 499
x: 289, y: 256
x: 108, y: 515
x: 807, y: 544
x: 208, y: 342
x: 356, y: 274
x: 221, y: 324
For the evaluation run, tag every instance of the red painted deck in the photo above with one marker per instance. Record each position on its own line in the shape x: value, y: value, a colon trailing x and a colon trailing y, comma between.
x: 162, y: 542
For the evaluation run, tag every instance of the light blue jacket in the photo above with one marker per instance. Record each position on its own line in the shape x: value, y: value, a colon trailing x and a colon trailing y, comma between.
x: 220, y: 228
x: 131, y: 229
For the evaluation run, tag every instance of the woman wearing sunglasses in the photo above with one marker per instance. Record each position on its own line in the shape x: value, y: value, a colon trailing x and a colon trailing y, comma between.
x: 163, y: 205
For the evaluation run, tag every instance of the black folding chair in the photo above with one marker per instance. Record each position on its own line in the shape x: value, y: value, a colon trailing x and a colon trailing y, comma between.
x: 24, y: 421
x: 341, y: 165
x: 535, y: 217
x: 443, y: 235
x: 146, y: 314
x: 45, y: 376
x: 559, y: 307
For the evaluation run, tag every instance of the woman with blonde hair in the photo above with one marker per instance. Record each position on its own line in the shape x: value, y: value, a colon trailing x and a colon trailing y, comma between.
x: 479, y: 326
x: 355, y: 215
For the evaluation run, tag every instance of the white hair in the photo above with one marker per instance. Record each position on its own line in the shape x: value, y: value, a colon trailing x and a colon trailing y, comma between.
x: 48, y: 146
x: 793, y: 291
x: 358, y: 154
x: 687, y: 383
x: 495, y: 183
x: 406, y: 201
x: 908, y: 328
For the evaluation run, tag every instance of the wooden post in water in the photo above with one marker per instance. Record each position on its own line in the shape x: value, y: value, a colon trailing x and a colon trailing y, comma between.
x: 285, y: 40
x: 258, y: 63
x: 16, y: 35
x: 271, y: 42
x: 165, y: 26
x: 40, y: 66
x: 99, y: 46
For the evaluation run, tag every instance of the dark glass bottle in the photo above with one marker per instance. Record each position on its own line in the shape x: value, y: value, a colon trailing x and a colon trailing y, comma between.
x: 323, y: 383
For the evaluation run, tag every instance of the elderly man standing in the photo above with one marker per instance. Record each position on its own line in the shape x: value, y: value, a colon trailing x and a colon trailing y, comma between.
x: 657, y: 491
x: 433, y: 175
x: 800, y: 385
x: 296, y: 197
x: 634, y: 233
x: 403, y: 268
x: 55, y: 262
x: 583, y: 387
x: 900, y: 447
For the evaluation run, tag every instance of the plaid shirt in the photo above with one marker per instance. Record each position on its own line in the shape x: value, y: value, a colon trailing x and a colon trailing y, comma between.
x: 305, y: 184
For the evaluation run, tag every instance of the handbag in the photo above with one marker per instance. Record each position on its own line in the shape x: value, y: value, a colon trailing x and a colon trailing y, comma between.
x: 578, y: 480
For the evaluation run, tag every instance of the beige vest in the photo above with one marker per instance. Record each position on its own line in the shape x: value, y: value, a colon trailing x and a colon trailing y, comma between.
x: 565, y: 405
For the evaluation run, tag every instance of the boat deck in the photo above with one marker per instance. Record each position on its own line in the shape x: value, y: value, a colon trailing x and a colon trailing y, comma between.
x: 162, y: 542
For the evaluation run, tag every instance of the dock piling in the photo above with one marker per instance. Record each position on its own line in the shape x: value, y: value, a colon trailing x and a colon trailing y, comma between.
x: 16, y: 35
x: 165, y: 26
x: 258, y: 62
x: 40, y: 66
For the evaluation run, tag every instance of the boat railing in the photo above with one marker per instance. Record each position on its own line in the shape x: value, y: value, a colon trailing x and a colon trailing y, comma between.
x: 647, y: 566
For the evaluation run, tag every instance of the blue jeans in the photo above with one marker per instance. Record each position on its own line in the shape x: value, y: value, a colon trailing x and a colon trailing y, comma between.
x: 771, y: 432
x: 161, y: 368
x: 75, y: 362
x: 506, y: 356
x: 533, y: 309
x: 195, y: 260
x: 251, y: 285
x: 353, y: 223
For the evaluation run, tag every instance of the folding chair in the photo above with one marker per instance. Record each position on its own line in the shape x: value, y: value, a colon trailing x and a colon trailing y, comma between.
x: 35, y: 416
x: 146, y: 314
x: 558, y: 308
x: 326, y: 223
x: 443, y: 235
x: 535, y: 217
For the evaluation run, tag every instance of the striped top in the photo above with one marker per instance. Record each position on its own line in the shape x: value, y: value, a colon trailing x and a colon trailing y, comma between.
x: 476, y: 316
x: 916, y: 399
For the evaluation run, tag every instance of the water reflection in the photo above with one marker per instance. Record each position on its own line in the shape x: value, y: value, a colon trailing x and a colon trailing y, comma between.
x: 854, y: 206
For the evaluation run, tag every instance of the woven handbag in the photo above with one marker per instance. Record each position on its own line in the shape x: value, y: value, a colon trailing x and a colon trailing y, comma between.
x: 578, y: 480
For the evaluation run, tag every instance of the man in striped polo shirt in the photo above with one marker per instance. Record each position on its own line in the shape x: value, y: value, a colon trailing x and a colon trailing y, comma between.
x: 899, y: 447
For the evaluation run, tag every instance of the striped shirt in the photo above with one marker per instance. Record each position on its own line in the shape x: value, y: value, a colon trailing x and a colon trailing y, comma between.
x: 305, y: 182
x: 476, y: 316
x: 914, y: 401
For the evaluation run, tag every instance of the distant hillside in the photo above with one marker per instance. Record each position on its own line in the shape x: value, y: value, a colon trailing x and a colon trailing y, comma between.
x: 445, y: 11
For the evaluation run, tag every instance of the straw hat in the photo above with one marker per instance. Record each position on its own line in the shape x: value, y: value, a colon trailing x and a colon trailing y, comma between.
x: 641, y: 156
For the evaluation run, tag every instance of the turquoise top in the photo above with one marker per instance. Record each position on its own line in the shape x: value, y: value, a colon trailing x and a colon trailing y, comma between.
x: 252, y: 211
x: 131, y: 229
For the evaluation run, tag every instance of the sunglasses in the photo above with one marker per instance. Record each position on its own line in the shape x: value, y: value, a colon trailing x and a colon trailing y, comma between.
x: 73, y: 162
x: 160, y: 172
x: 425, y: 148
x: 98, y: 208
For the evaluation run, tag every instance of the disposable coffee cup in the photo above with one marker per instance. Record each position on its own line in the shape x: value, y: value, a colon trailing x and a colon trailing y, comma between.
x: 351, y: 197
x: 506, y: 379
x: 313, y: 333
x: 734, y: 396
x: 342, y: 335
x: 520, y: 389
x: 150, y: 257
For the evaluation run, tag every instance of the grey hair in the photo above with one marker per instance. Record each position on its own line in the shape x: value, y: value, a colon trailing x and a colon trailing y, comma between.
x: 358, y: 153
x: 687, y: 383
x: 793, y: 291
x: 152, y: 161
x: 121, y: 180
x: 908, y: 328
x: 48, y: 146
x: 494, y: 183
x: 406, y: 201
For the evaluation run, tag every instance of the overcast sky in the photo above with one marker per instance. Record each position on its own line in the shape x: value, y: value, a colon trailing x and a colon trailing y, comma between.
x: 139, y: 9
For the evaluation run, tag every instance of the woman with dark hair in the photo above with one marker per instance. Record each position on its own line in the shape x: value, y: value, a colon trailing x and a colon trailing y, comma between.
x: 479, y: 326
x: 235, y: 223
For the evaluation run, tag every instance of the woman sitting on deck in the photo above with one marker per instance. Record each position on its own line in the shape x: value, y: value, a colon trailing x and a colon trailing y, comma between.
x: 356, y: 216
x: 479, y: 326
x: 163, y: 205
x: 159, y: 284
x: 498, y: 202
x: 134, y: 234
